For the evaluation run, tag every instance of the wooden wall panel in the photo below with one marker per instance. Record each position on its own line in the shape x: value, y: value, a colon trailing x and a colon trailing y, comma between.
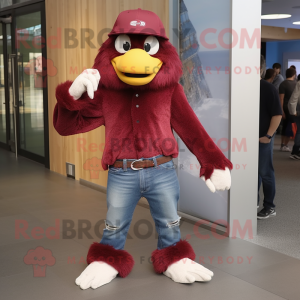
x: 271, y: 33
x: 77, y: 14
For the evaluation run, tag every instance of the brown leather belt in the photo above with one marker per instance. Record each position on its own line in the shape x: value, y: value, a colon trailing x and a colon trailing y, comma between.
x: 141, y: 164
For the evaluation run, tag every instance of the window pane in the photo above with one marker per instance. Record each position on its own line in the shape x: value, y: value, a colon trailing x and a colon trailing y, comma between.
x: 4, y: 3
x: 30, y: 76
x: 10, y: 84
x: 2, y: 92
x: 20, y: 1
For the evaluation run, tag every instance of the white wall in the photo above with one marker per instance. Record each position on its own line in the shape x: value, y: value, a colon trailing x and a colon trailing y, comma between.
x: 245, y: 118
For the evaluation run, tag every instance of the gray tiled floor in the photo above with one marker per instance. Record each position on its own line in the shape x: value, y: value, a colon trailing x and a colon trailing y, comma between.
x: 282, y: 233
x: 31, y: 193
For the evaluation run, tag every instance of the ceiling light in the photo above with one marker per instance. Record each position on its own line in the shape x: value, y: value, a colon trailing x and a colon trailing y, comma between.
x: 296, y: 23
x: 275, y: 16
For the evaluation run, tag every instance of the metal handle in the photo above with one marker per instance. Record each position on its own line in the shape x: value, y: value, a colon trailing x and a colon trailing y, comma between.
x: 7, y: 20
x: 13, y: 56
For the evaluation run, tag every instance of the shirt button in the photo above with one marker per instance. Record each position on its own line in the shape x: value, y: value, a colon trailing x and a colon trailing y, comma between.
x: 137, y: 95
x: 137, y: 106
x: 138, y: 121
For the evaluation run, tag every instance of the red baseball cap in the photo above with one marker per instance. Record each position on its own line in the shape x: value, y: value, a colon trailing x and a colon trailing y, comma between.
x: 139, y: 21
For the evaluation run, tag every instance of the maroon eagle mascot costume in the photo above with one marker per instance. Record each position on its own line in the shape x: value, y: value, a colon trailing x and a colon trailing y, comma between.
x: 140, y: 103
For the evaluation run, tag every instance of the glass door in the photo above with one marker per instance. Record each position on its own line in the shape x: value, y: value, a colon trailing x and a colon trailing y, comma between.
x: 3, y: 137
x: 24, y: 114
x: 7, y: 118
x: 10, y: 92
x: 13, y: 107
x: 30, y: 82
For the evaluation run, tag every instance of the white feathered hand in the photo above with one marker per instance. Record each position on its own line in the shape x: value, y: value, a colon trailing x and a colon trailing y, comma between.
x: 87, y: 81
x: 220, y: 180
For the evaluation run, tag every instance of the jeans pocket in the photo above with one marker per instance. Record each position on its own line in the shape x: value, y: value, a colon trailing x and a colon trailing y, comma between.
x: 114, y: 170
x: 168, y: 165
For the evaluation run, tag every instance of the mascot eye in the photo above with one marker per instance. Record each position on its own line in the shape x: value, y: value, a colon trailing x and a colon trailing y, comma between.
x: 151, y: 45
x: 122, y: 43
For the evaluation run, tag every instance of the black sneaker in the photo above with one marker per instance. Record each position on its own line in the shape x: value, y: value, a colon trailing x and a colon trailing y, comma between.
x: 266, y: 213
x: 295, y: 156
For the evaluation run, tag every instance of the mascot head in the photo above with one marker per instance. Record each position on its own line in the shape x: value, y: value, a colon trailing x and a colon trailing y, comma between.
x: 137, y: 54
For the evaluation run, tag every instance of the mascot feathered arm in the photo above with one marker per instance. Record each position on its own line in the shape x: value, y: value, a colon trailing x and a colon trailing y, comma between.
x: 214, y: 165
x: 79, y: 104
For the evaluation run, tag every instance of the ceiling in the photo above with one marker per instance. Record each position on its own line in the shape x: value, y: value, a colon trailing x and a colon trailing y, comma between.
x: 291, y: 7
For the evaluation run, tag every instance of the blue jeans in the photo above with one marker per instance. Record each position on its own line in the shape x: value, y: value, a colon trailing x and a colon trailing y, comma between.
x: 296, y: 147
x: 159, y: 185
x: 266, y: 175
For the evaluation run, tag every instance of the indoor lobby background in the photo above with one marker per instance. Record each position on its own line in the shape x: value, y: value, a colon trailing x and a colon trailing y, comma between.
x: 45, y: 176
x: 213, y: 77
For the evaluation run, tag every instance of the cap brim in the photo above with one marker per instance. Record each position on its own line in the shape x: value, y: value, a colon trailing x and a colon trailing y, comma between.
x: 140, y: 33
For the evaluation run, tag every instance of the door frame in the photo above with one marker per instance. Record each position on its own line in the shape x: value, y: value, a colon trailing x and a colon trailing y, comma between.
x: 15, y: 11
x: 6, y: 90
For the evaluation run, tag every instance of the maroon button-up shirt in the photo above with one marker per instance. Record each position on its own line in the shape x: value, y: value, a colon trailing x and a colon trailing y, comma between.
x: 138, y: 124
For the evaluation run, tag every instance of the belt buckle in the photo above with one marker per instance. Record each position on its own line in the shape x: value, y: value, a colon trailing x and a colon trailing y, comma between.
x: 133, y: 168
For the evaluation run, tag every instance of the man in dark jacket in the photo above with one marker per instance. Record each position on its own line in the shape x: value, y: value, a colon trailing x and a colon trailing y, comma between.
x: 269, y: 119
x: 278, y: 78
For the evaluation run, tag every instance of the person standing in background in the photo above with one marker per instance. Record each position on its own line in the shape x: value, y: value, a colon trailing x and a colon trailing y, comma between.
x: 270, y: 115
x: 286, y: 89
x: 294, y: 110
x: 294, y: 67
x: 278, y: 78
x: 270, y: 75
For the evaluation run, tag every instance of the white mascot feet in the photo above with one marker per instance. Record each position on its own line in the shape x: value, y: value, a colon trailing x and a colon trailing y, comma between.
x: 95, y: 275
x: 188, y: 271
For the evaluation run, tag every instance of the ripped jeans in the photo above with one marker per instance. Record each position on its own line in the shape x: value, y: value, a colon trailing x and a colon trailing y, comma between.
x: 159, y: 185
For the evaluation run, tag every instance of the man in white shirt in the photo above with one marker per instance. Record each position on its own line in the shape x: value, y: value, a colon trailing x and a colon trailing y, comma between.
x: 294, y: 109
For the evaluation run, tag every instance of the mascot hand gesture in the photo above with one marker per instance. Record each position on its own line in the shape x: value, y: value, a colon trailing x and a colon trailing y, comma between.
x: 140, y: 102
x: 88, y: 82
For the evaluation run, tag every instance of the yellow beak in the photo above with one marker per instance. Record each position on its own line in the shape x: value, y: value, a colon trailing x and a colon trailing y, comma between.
x: 136, y: 67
